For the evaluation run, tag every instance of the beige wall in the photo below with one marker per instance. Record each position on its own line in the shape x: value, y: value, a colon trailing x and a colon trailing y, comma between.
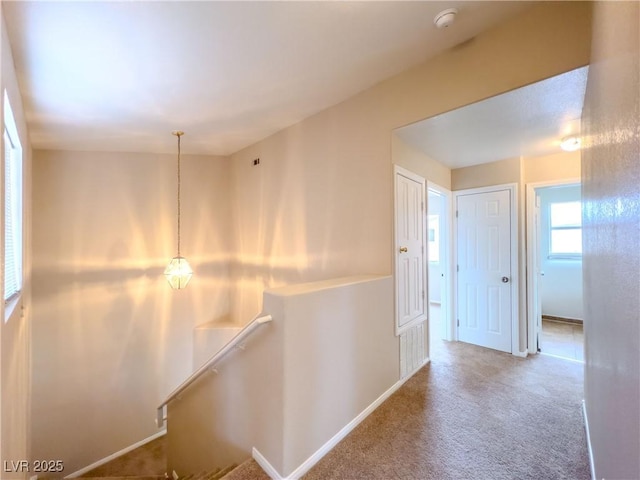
x: 219, y: 419
x: 110, y: 338
x: 548, y: 168
x: 320, y: 203
x: 340, y: 355
x: 332, y: 352
x: 611, y: 213
x: 487, y: 174
x: 14, y: 333
x: 418, y: 162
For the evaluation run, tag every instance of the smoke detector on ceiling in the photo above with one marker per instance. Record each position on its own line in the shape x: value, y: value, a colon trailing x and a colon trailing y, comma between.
x: 445, y: 18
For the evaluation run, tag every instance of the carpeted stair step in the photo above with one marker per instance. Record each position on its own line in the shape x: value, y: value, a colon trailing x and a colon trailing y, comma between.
x: 216, y: 474
x: 249, y: 470
x: 221, y: 473
x: 193, y: 476
x: 139, y: 477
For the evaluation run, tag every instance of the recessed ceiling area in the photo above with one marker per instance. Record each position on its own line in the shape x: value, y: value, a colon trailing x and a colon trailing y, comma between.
x: 529, y: 121
x: 120, y: 76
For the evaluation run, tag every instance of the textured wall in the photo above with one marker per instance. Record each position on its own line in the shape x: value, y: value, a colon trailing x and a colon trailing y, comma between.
x: 611, y: 217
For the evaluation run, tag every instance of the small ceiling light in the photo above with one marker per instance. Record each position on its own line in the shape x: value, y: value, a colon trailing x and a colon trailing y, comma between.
x: 178, y: 272
x: 570, y: 143
x: 445, y: 18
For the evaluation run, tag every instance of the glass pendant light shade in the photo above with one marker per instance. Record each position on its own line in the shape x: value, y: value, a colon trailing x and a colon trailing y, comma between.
x: 178, y: 272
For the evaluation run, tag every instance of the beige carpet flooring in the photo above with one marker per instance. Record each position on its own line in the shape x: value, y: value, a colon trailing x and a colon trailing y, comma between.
x: 472, y: 413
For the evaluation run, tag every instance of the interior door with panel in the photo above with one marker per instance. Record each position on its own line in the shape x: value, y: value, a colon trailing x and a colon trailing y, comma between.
x: 484, y: 270
x: 410, y: 249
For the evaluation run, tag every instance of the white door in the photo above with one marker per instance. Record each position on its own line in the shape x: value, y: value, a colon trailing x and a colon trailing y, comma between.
x: 484, y: 269
x: 409, y: 249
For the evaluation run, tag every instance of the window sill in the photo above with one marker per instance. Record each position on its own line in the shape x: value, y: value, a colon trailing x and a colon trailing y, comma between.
x: 566, y: 256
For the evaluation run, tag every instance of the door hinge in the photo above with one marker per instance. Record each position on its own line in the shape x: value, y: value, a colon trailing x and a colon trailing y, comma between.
x: 456, y: 213
x: 423, y: 294
x: 457, y: 268
x: 458, y: 322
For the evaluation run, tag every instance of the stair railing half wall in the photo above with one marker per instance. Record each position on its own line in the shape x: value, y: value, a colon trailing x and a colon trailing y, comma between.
x: 210, y: 364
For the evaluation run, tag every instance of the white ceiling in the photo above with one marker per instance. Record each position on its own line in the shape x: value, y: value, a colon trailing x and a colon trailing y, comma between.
x: 529, y: 121
x: 120, y: 76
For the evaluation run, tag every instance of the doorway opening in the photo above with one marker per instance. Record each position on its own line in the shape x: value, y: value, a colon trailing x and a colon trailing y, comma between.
x: 439, y: 266
x: 555, y: 293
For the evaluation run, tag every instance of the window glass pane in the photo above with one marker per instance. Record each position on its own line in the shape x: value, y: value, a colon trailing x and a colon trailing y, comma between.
x: 434, y: 238
x: 566, y: 241
x: 566, y: 214
x: 13, y: 205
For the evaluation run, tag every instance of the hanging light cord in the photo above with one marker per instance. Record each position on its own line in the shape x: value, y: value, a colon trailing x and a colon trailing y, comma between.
x: 178, y: 134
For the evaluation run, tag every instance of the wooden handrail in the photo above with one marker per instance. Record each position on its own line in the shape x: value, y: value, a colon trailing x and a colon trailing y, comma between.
x: 242, y: 334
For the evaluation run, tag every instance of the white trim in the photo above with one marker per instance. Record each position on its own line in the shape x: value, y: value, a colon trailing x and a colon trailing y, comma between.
x: 515, y: 265
x: 119, y: 453
x: 530, y: 197
x: 305, y: 466
x: 562, y: 358
x: 264, y: 463
x: 446, y: 250
x: 590, y: 449
x: 397, y: 169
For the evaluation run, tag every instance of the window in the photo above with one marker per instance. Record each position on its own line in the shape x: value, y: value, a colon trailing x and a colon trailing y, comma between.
x: 566, y: 230
x: 434, y: 238
x: 13, y: 205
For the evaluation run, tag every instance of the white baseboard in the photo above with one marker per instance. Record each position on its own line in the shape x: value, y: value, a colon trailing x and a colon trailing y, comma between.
x: 119, y: 453
x: 266, y: 466
x: 327, y: 447
x: 586, y: 427
x: 522, y: 354
x: 562, y: 358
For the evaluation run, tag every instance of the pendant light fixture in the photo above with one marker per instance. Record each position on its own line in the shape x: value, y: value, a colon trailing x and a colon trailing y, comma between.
x: 178, y: 272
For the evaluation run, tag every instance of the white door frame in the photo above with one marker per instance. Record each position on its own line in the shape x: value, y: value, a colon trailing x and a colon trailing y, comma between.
x: 532, y: 277
x: 414, y: 176
x: 446, y: 248
x: 515, y: 275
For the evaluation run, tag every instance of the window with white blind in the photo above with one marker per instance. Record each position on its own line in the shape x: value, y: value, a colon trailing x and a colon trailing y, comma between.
x: 12, y: 205
x: 566, y: 230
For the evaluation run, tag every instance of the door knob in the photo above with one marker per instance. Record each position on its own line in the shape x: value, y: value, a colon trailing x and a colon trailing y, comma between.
x: 403, y: 250
x: 505, y: 279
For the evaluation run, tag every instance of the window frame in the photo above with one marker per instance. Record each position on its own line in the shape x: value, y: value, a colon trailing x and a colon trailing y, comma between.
x: 576, y: 227
x: 11, y: 140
